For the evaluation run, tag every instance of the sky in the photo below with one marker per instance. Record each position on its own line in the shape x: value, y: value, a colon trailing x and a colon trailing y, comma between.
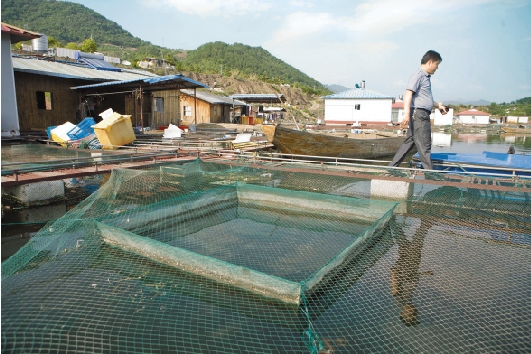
x: 485, y: 44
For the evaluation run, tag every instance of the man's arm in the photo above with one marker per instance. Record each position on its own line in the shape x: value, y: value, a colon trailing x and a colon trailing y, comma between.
x: 442, y: 108
x: 408, y: 97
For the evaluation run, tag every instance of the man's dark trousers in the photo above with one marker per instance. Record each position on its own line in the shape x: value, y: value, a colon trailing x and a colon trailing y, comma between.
x: 419, y: 135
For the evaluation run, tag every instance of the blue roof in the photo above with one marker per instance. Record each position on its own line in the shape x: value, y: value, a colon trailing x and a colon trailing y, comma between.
x: 150, y: 80
x: 74, y: 70
x: 357, y: 93
x: 99, y: 64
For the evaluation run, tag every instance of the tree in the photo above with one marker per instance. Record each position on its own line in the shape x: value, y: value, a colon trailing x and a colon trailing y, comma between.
x: 53, y: 43
x: 71, y: 45
x: 170, y: 59
x: 89, y: 46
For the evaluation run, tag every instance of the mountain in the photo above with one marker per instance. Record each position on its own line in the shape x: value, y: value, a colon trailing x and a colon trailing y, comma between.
x: 239, y: 58
x: 71, y: 22
x: 66, y: 22
x: 336, y: 88
x: 461, y: 101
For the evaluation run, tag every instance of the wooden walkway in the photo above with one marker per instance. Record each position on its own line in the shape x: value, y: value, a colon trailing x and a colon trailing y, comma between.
x: 64, y: 173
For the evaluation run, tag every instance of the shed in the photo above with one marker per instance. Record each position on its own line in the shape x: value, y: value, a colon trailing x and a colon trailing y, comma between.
x: 10, y: 117
x: 473, y: 116
x: 260, y: 99
x: 150, y: 101
x: 271, y: 98
x: 211, y: 108
x: 44, y: 95
x: 357, y: 105
x: 517, y: 119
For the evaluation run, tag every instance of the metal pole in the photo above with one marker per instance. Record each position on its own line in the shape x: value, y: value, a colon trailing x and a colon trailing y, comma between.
x: 195, y: 106
x: 141, y: 108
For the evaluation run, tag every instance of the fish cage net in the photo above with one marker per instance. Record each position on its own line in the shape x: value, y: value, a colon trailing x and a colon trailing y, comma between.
x: 273, y: 258
x: 38, y: 154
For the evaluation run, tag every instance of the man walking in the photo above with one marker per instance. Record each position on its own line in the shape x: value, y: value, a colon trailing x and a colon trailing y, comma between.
x: 418, y: 103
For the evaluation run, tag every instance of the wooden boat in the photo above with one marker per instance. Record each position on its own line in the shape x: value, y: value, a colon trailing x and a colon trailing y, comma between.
x: 357, y: 146
x: 486, y: 163
x: 521, y: 129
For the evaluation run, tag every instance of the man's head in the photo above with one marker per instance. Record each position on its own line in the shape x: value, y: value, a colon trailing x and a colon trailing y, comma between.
x: 430, y: 61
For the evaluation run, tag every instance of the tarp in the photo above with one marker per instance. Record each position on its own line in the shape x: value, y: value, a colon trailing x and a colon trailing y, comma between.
x: 491, y: 159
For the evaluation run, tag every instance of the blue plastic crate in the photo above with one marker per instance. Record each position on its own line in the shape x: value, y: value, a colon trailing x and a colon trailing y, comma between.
x: 83, y: 129
x: 49, y: 131
x: 94, y: 144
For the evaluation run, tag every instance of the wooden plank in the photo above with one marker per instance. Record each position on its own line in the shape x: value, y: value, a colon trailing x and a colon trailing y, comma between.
x: 31, y: 177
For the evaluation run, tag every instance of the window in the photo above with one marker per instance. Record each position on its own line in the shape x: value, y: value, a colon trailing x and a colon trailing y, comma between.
x: 215, y: 111
x: 357, y: 107
x: 394, y: 117
x: 187, y: 111
x: 158, y: 104
x: 44, y: 100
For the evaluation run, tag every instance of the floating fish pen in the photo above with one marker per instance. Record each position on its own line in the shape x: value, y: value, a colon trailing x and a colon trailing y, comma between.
x: 218, y: 257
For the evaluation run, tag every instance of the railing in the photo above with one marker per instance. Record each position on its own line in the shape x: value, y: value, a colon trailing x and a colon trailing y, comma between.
x: 82, y: 162
x: 382, y: 165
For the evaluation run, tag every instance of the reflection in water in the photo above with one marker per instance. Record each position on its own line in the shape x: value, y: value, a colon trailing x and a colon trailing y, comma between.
x: 476, y: 143
x: 405, y: 273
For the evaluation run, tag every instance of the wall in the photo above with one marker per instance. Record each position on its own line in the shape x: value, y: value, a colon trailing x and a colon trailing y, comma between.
x: 399, y: 113
x: 171, y: 113
x: 474, y: 119
x: 203, y: 110
x: 439, y: 119
x: 516, y: 119
x: 10, y: 121
x: 65, y: 101
x: 341, y: 111
x: 136, y: 118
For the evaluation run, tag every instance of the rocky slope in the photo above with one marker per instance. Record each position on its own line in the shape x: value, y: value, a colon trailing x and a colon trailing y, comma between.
x: 306, y: 108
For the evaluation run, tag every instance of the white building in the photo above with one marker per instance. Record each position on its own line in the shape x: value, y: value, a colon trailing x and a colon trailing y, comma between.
x: 357, y: 105
x: 397, y: 111
x: 11, y: 34
x: 516, y: 120
x: 473, y: 116
x: 436, y: 117
x: 439, y: 119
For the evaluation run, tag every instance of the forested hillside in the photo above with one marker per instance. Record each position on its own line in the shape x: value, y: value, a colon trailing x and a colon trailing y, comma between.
x: 239, y: 58
x: 69, y: 22
x: 66, y: 21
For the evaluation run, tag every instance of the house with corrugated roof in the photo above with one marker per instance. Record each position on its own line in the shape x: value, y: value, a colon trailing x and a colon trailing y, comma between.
x: 255, y: 110
x: 44, y: 94
x: 473, y: 116
x: 210, y: 108
x: 358, y: 105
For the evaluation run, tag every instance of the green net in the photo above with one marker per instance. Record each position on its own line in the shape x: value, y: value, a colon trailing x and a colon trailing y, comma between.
x: 270, y: 258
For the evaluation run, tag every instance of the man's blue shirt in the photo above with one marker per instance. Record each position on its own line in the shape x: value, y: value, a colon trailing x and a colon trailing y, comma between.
x: 420, y: 84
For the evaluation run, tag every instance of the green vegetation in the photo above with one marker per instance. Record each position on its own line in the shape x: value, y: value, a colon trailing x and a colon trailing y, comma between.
x: 89, y: 46
x: 66, y: 21
x: 521, y: 107
x: 241, y: 60
x: 82, y: 28
x: 72, y: 23
x: 71, y: 45
x: 53, y: 43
